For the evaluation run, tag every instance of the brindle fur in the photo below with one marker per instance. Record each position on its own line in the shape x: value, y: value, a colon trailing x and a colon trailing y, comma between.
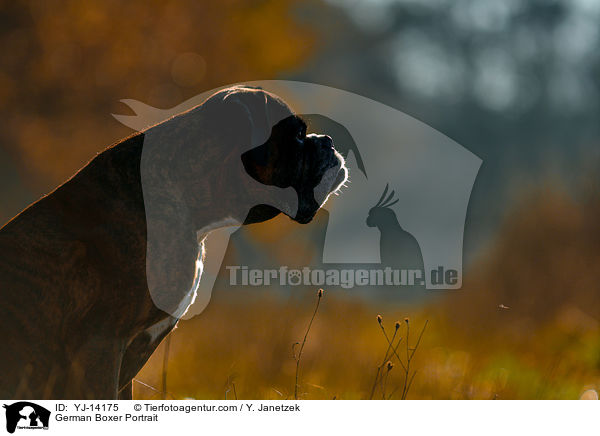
x: 62, y: 283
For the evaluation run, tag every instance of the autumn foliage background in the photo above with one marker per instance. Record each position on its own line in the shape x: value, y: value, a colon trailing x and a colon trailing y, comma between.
x: 526, y: 323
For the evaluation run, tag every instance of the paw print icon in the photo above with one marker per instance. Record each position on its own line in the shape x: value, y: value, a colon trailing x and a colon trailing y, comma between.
x: 294, y: 277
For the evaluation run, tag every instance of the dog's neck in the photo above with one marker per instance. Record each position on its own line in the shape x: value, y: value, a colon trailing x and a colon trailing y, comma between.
x: 229, y: 221
x: 186, y: 196
x: 193, y: 184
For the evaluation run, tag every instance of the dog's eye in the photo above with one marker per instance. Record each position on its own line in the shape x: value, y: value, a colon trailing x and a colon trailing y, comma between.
x: 301, y: 135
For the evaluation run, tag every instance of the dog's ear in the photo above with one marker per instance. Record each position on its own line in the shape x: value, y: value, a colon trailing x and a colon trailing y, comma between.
x: 254, y: 113
x: 256, y: 162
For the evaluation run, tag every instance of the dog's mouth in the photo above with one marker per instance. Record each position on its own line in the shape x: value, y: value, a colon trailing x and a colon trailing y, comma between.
x: 341, y: 177
x: 339, y: 172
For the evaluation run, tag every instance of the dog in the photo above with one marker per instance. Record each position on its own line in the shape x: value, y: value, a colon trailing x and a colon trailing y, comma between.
x: 95, y: 274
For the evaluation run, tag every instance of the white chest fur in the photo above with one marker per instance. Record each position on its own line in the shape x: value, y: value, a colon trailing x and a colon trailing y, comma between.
x: 157, y: 330
x: 190, y: 296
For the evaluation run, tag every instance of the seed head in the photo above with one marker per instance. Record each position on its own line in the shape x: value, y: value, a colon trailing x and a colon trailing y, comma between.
x: 320, y: 293
x: 390, y: 365
x: 406, y: 320
x: 397, y: 325
x: 379, y: 319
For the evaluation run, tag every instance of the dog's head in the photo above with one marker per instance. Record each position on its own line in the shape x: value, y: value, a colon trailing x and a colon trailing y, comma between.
x: 281, y: 153
x: 292, y: 158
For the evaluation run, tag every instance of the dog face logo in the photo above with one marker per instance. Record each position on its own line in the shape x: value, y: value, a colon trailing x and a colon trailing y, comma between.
x: 26, y: 415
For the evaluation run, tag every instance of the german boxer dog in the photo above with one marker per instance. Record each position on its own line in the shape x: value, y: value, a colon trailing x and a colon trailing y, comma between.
x: 95, y: 274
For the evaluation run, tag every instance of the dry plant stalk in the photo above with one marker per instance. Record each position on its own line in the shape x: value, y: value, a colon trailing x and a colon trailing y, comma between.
x: 381, y: 379
x: 230, y: 385
x: 299, y: 356
x: 386, y: 356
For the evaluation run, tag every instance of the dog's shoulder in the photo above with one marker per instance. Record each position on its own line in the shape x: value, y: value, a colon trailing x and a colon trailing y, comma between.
x: 100, y: 210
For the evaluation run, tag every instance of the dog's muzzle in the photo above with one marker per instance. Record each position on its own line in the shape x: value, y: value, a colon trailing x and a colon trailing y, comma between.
x: 325, y: 172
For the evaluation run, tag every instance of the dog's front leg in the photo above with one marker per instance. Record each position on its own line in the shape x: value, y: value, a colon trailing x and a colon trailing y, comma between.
x: 139, y: 351
x: 126, y: 393
x: 94, y: 369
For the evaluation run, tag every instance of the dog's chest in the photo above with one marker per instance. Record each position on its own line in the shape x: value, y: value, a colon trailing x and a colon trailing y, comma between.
x: 190, y: 296
x: 160, y: 329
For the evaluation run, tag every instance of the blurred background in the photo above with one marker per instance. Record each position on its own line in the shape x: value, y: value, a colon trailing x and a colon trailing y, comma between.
x: 515, y: 82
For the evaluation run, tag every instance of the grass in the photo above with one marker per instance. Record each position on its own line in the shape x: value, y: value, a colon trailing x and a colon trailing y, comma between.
x: 524, y: 326
x: 242, y: 350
